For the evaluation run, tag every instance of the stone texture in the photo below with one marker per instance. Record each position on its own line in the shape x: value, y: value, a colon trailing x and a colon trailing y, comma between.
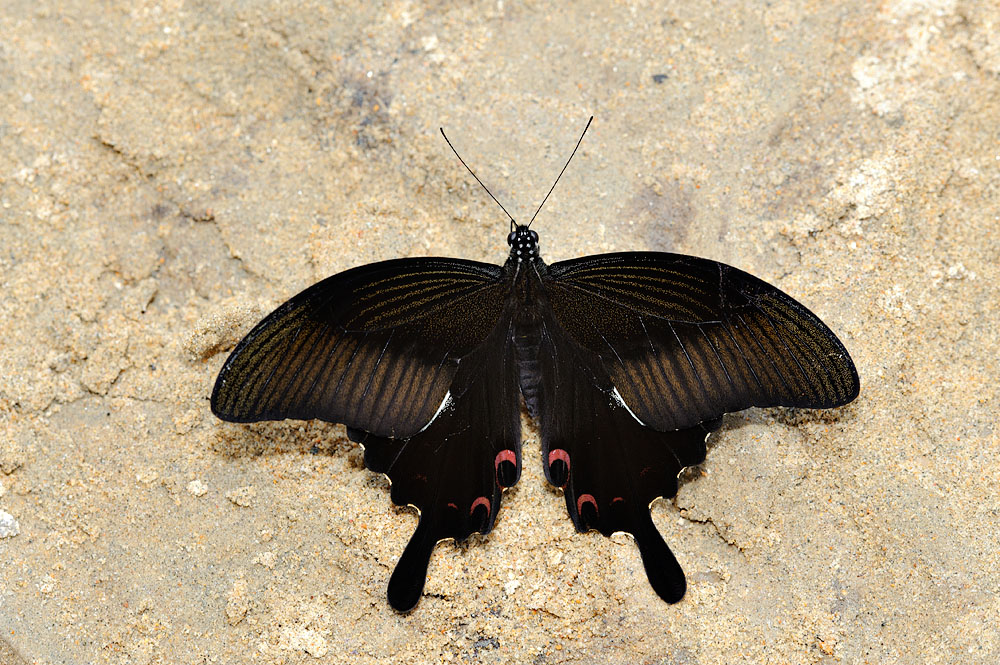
x: 170, y: 171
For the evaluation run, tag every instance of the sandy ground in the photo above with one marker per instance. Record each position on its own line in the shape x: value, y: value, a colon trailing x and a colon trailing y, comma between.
x: 169, y: 171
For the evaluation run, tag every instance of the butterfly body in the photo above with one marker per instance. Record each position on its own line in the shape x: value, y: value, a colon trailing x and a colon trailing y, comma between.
x: 625, y: 362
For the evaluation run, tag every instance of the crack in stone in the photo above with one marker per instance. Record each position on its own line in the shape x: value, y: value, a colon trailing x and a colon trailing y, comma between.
x: 123, y: 156
x: 207, y: 217
x: 684, y: 513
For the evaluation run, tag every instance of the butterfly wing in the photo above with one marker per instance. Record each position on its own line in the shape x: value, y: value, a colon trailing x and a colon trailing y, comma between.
x: 455, y: 470
x: 641, y: 355
x: 375, y: 347
x: 415, y: 357
x: 610, y: 466
x: 685, y: 339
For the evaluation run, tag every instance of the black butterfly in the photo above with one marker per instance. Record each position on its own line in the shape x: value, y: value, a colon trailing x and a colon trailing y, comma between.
x: 625, y: 361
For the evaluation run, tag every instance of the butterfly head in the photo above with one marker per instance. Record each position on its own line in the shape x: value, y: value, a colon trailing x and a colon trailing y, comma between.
x: 523, y: 243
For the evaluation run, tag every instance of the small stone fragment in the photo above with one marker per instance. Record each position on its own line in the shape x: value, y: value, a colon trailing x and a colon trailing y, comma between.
x: 8, y: 525
x: 197, y: 488
x: 147, y: 476
x: 237, y: 603
x: 312, y: 643
x: 242, y: 496
x: 47, y: 585
x: 266, y: 559
x: 11, y: 456
x: 187, y: 421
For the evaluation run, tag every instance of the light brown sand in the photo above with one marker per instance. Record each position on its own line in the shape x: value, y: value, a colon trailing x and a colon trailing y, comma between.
x: 169, y: 171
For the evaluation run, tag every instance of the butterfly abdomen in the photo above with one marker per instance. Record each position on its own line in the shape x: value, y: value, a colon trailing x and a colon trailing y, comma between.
x: 527, y: 342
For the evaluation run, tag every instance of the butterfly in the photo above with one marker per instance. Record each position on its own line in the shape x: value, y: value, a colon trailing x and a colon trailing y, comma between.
x: 625, y: 361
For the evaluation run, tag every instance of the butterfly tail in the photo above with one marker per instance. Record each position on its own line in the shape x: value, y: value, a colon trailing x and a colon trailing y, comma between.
x: 665, y: 575
x: 407, y: 581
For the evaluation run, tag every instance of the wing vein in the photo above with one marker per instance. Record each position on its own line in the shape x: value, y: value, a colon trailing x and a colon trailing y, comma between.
x: 694, y: 369
x: 404, y: 384
x: 375, y: 367
x: 717, y: 355
x: 263, y: 388
x: 659, y: 364
x: 777, y: 332
x: 753, y: 336
x: 728, y: 328
x: 290, y: 382
x: 322, y: 335
x: 321, y: 371
x: 348, y: 365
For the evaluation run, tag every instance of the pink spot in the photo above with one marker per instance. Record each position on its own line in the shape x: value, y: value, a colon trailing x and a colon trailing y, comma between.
x: 506, y: 468
x: 451, y: 505
x: 505, y: 456
x: 481, y: 501
x: 559, y: 454
x: 617, y: 499
x: 585, y: 498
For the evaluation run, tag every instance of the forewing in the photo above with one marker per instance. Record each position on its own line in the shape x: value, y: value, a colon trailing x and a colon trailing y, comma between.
x: 454, y: 471
x: 685, y: 339
x: 376, y: 347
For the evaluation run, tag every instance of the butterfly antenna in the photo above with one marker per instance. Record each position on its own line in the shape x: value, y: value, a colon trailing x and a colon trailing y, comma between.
x: 563, y: 169
x: 512, y: 222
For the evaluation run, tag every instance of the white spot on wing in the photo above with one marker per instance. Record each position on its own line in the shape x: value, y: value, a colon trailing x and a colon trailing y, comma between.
x: 617, y: 397
x: 445, y: 403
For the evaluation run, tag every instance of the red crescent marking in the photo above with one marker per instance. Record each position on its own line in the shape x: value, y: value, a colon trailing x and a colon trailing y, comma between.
x: 505, y: 456
x: 559, y: 454
x: 481, y: 501
x: 617, y: 499
x: 451, y: 505
x: 585, y: 498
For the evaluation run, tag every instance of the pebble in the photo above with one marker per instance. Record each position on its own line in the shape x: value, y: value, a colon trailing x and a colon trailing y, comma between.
x: 8, y: 525
x: 242, y: 496
x: 311, y: 642
x: 237, y: 603
x: 197, y: 488
x: 266, y: 559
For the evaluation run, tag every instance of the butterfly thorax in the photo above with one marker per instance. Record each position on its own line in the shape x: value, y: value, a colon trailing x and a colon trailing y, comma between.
x: 523, y: 244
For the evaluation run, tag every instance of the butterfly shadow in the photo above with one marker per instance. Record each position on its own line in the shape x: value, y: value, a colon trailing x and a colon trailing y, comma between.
x: 789, y: 416
x: 268, y: 438
x: 315, y: 437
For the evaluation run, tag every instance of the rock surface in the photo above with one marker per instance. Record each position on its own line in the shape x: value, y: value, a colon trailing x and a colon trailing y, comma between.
x: 169, y: 171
